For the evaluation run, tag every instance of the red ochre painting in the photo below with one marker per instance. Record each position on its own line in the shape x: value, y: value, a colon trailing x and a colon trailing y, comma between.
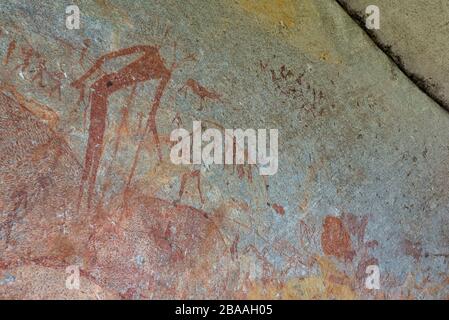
x: 88, y: 189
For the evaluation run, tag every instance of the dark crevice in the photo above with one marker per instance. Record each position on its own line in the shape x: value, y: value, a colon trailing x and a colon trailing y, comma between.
x: 425, y: 85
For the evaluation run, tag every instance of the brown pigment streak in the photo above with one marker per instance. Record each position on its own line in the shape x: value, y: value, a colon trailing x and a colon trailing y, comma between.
x: 194, y: 174
x: 151, y: 121
x: 11, y: 48
x: 278, y: 208
x: 147, y: 67
x: 335, y: 239
x: 27, y: 54
x: 200, y: 90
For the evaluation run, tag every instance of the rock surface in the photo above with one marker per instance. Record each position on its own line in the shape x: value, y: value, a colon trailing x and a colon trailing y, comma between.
x: 415, y: 35
x: 363, y: 154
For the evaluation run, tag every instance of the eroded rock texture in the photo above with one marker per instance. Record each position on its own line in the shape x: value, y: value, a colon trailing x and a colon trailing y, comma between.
x: 86, y: 179
x: 415, y: 37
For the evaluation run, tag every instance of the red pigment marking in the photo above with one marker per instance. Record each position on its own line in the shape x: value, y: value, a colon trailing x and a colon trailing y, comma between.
x: 123, y: 126
x: 306, y: 232
x: 41, y: 68
x: 363, y: 264
x: 356, y: 226
x: 149, y: 66
x: 196, y: 174
x: 57, y: 77
x: 285, y: 73
x: 241, y: 170
x: 27, y: 54
x: 335, y: 239
x: 413, y: 249
x: 20, y: 200
x: 9, y: 52
x: 233, y: 248
x: 83, y: 53
x: 278, y: 208
x: 151, y: 122
x: 177, y: 119
x: 200, y: 91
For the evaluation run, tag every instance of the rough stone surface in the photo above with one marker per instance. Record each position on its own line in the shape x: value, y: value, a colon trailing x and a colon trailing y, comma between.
x: 415, y: 34
x: 363, y: 155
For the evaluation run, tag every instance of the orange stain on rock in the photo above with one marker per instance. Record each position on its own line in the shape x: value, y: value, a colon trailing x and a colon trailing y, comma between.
x: 278, y: 208
x: 335, y: 239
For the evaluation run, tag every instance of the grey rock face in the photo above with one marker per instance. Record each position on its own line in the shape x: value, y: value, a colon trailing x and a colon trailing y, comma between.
x: 363, y: 152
